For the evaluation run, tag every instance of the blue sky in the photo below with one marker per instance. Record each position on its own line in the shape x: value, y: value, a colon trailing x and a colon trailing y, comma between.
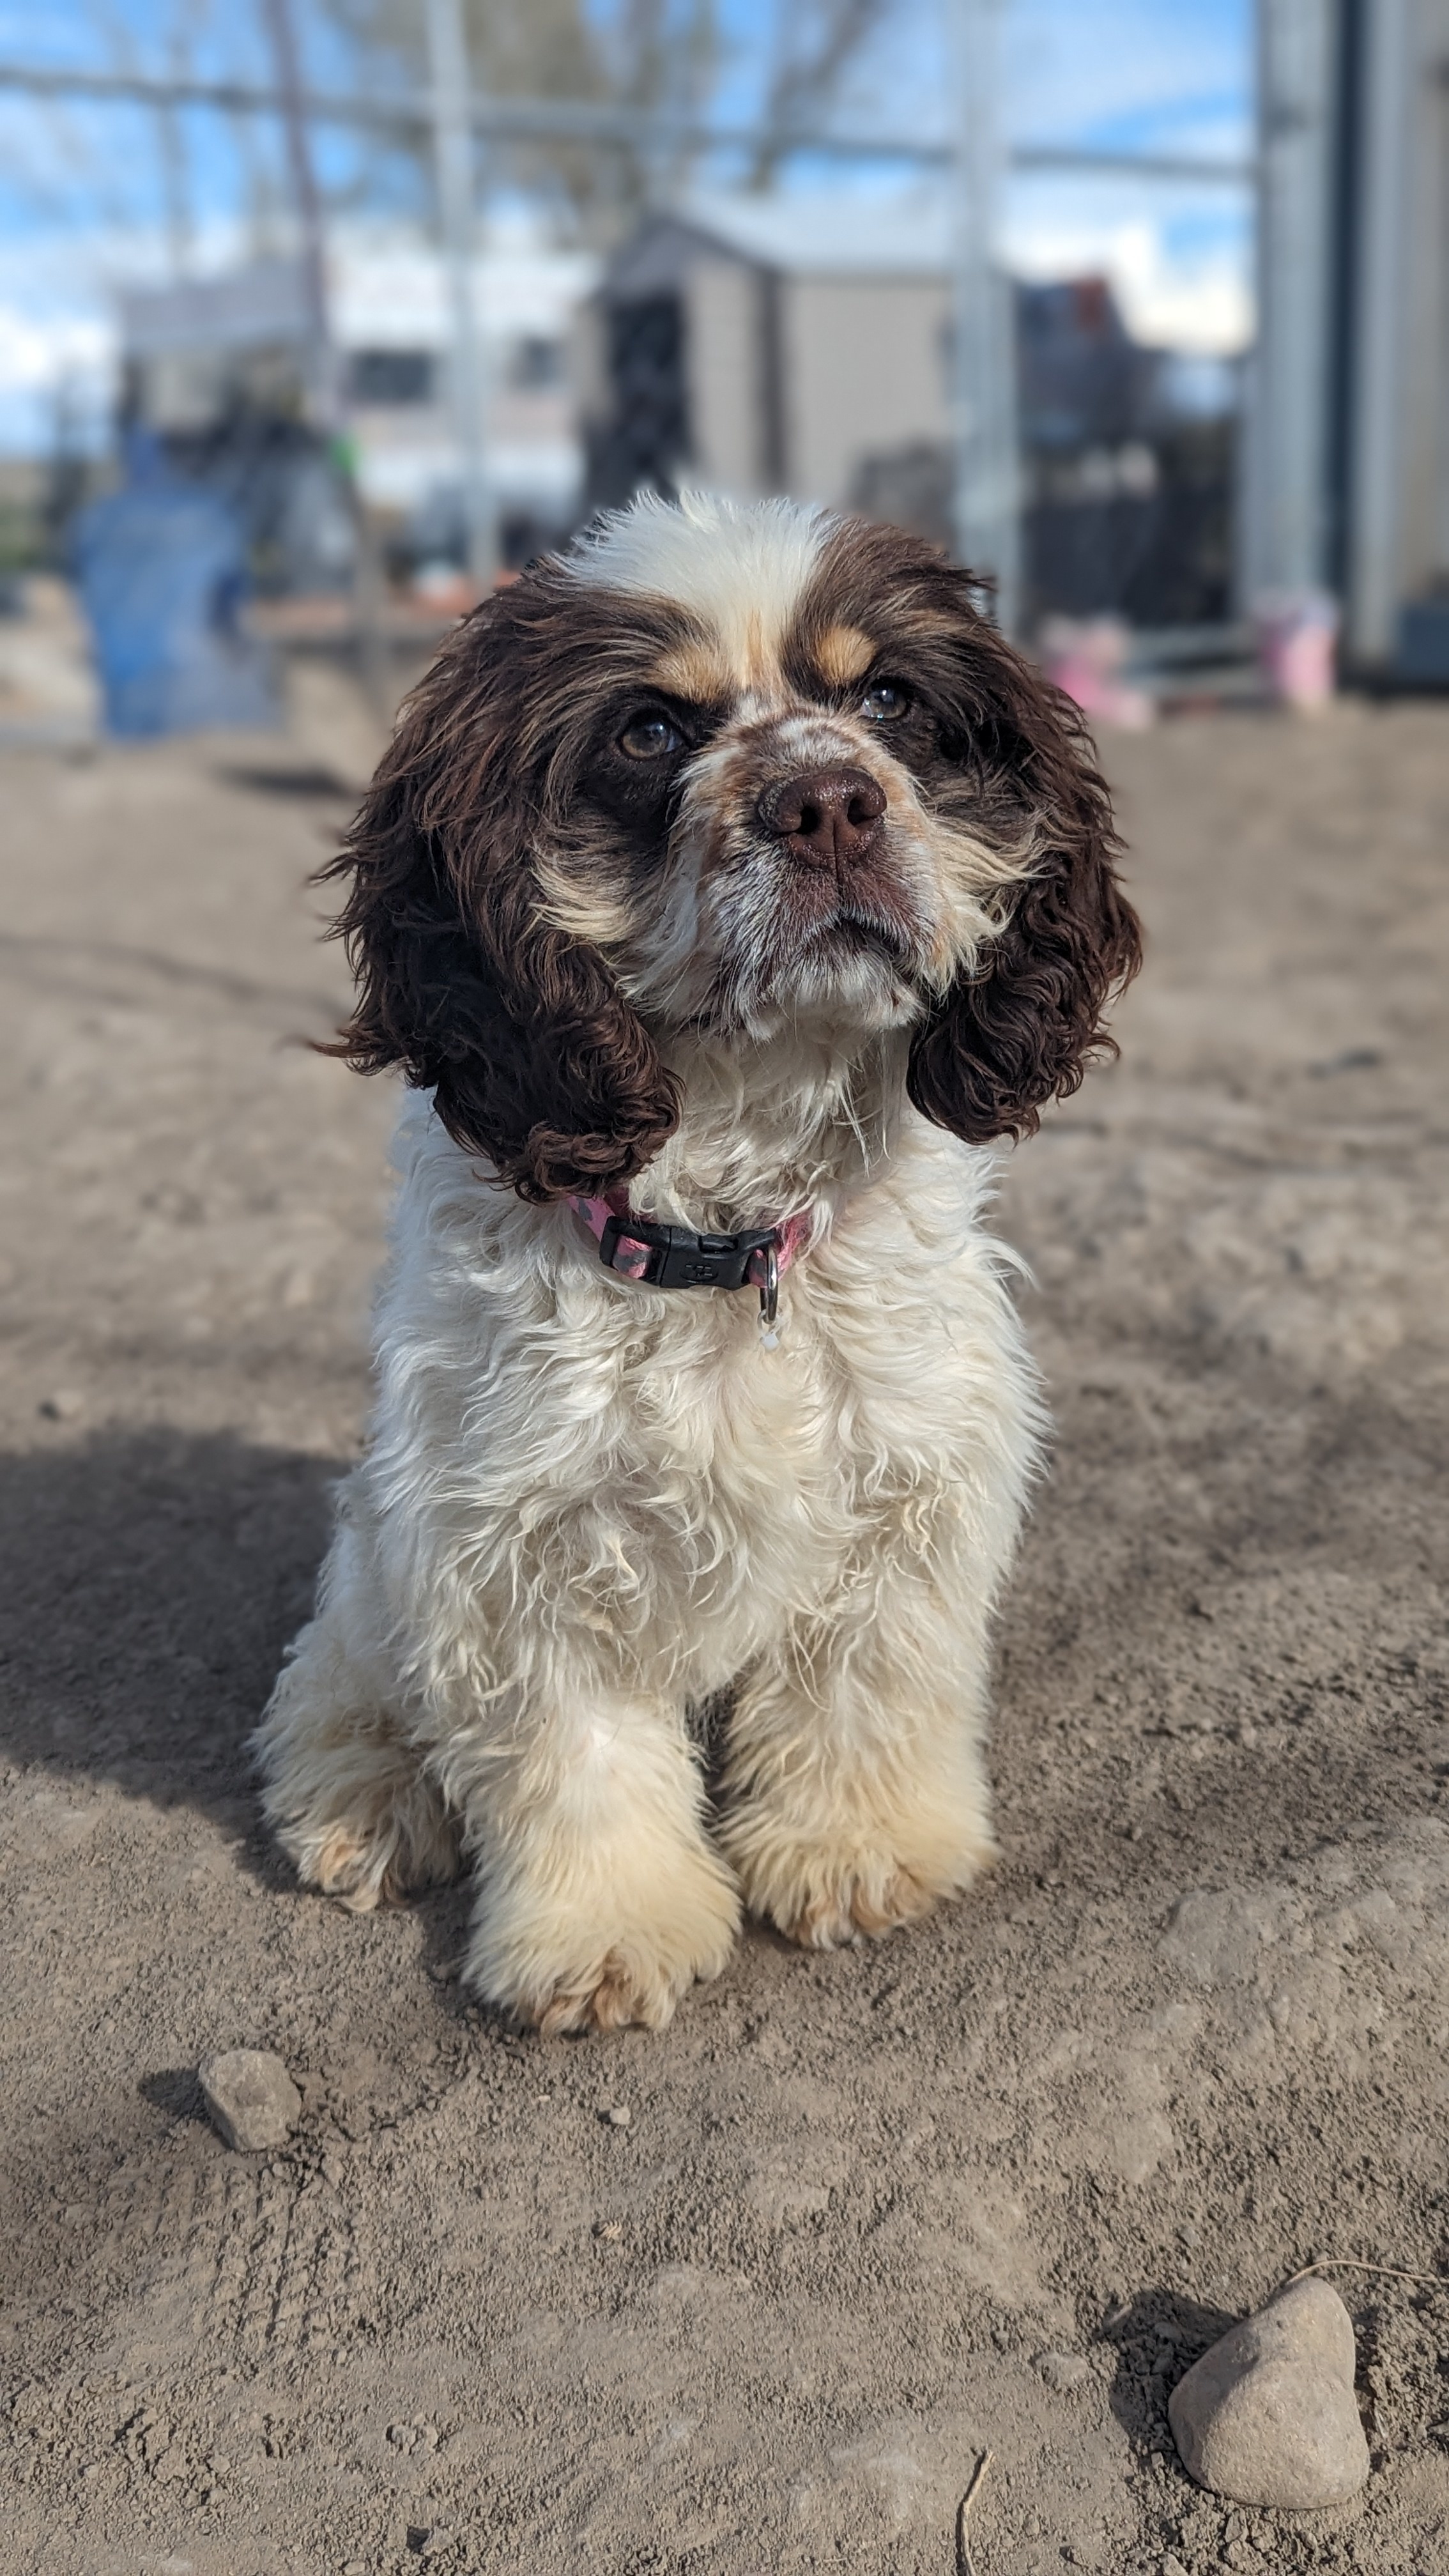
x: 82, y: 204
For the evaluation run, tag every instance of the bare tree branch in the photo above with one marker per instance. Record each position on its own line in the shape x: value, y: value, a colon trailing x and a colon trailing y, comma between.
x: 817, y: 46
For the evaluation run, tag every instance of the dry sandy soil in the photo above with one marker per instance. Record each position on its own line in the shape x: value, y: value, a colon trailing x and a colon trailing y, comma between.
x: 1190, y: 2035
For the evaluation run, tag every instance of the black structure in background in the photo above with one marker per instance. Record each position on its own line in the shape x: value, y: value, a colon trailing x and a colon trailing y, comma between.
x: 1128, y: 491
x: 1128, y: 495
x: 644, y: 443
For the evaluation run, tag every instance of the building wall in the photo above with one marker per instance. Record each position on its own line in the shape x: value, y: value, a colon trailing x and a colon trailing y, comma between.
x: 724, y: 361
x: 864, y: 369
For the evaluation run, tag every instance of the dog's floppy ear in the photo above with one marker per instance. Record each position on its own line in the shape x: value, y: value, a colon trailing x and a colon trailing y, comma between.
x: 1023, y: 1026
x: 537, y: 1061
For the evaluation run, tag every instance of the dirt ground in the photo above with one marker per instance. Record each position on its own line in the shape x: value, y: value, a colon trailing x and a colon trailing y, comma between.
x: 1190, y: 2035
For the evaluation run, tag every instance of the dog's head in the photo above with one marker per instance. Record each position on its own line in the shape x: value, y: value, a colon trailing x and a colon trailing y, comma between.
x: 730, y: 770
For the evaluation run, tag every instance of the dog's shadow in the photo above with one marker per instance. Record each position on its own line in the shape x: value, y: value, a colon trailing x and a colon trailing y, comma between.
x: 153, y: 1579
x: 1157, y: 2334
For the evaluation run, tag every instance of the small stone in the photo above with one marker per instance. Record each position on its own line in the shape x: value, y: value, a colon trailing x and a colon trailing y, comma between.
x: 1172, y: 2565
x: 64, y: 1405
x: 1063, y: 2371
x: 251, y: 2097
x: 620, y: 2116
x: 1268, y: 2416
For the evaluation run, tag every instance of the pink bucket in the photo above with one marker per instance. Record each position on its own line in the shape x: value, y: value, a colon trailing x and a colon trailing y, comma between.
x: 1296, y: 639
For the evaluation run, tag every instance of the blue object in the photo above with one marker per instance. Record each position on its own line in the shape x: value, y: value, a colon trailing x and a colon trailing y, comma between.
x: 162, y: 573
x: 1423, y: 656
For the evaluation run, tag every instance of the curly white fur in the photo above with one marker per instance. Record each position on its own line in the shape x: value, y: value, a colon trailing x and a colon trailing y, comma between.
x: 587, y: 1506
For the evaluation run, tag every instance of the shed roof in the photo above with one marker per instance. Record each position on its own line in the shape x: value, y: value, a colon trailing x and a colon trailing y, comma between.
x: 825, y: 236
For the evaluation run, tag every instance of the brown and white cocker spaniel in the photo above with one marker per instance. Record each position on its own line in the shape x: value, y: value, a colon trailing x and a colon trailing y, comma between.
x: 730, y: 886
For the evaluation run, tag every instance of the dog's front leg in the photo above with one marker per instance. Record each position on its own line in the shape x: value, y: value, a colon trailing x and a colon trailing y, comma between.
x: 854, y: 1788
x: 600, y: 1900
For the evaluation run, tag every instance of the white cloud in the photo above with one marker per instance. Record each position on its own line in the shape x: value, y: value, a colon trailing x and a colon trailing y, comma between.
x: 36, y: 356
x: 48, y: 359
x: 1194, y: 295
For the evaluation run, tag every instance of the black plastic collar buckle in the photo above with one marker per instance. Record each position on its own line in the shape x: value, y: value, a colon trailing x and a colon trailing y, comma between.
x: 680, y: 1258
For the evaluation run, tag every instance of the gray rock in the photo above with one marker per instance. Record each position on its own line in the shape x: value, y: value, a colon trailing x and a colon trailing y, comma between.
x: 251, y: 2097
x: 1063, y: 2371
x: 1268, y: 2415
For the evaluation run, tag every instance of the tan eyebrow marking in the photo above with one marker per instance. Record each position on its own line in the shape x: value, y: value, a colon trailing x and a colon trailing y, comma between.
x: 698, y: 671
x: 844, y: 654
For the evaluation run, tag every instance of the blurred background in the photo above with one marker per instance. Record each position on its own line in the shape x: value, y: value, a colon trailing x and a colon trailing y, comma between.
x: 318, y: 317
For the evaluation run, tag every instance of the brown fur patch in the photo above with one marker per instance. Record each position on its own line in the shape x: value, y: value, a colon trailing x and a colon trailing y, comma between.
x: 705, y: 672
x: 464, y: 978
x: 697, y: 670
x: 844, y: 654
x: 1001, y: 753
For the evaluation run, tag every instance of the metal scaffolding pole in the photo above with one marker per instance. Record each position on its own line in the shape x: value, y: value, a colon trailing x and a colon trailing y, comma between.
x: 322, y: 385
x: 987, y: 505
x: 451, y: 107
x: 1285, y: 526
x: 588, y: 122
x: 324, y: 379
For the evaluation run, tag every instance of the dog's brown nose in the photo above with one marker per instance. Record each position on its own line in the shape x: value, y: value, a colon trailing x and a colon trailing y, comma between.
x: 829, y: 816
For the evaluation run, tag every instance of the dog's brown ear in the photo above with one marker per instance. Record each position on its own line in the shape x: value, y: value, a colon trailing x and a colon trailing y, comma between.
x: 537, y: 1061
x: 1022, y: 1029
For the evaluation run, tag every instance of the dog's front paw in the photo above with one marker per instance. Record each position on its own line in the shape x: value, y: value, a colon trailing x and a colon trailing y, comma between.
x: 620, y: 1990
x: 560, y: 1972
x: 824, y: 1896
x: 367, y: 1842
x: 869, y: 1899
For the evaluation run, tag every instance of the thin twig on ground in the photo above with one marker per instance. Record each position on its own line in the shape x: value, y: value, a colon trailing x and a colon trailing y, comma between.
x: 1355, y: 2263
x: 965, y: 2563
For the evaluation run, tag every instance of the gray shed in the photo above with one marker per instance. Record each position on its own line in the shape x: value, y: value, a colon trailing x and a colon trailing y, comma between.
x: 769, y: 346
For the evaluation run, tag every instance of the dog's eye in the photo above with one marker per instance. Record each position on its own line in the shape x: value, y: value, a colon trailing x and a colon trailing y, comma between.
x: 650, y: 736
x: 885, y: 702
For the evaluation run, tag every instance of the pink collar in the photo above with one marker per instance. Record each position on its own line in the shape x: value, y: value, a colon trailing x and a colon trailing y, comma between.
x: 675, y: 1256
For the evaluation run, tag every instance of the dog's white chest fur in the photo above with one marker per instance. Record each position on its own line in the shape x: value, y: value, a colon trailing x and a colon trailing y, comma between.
x: 587, y: 1505
x: 548, y: 1434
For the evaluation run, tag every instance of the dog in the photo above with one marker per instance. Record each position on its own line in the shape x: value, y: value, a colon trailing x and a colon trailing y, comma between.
x: 731, y: 886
